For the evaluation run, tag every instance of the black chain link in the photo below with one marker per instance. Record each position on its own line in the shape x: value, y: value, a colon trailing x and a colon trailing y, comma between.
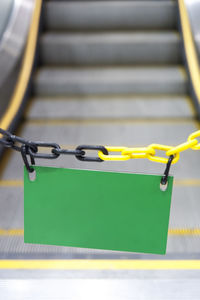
x: 59, y: 151
x: 89, y: 158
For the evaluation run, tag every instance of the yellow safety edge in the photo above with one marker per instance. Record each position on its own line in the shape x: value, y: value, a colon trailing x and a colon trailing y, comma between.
x: 190, y: 50
x: 149, y: 152
x: 172, y: 231
x: 25, y: 71
x: 99, y: 264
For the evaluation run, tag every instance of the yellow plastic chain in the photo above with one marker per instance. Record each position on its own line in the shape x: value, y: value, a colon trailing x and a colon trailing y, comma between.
x: 149, y: 152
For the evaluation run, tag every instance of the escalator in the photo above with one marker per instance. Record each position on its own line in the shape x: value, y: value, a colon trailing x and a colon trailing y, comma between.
x: 109, y: 73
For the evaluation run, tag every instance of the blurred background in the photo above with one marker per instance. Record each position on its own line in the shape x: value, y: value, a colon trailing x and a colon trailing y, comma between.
x: 117, y: 73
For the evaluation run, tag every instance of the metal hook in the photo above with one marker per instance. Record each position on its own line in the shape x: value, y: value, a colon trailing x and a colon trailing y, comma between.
x: 24, y: 153
x: 164, y: 179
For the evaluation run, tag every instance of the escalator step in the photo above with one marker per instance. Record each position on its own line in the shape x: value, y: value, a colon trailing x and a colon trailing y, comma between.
x: 95, y: 15
x: 114, y: 107
x: 110, y: 48
x: 104, y: 80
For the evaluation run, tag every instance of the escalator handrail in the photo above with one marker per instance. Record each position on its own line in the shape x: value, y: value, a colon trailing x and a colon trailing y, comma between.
x: 25, y: 71
x: 14, y: 37
x: 190, y: 52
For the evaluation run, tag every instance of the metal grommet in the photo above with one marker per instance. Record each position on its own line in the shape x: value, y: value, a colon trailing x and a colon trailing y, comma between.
x: 32, y: 175
x: 163, y: 187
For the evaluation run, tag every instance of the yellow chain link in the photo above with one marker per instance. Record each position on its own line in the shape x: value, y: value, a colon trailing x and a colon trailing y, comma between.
x: 126, y: 153
x: 139, y: 152
x: 114, y: 157
x: 192, y: 137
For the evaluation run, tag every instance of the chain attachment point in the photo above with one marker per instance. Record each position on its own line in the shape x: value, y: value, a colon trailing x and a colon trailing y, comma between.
x: 25, y: 151
x: 164, y: 179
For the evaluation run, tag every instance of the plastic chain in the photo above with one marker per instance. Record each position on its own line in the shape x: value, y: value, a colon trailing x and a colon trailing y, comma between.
x: 149, y: 152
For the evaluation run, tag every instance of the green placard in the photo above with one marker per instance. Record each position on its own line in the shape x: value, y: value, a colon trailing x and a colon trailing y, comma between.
x: 94, y: 209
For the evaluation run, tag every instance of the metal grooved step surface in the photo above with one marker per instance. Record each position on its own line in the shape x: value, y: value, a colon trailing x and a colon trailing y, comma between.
x: 110, y: 48
x: 111, y: 73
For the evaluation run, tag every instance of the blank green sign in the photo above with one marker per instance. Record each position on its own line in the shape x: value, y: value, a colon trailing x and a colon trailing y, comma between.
x: 93, y: 209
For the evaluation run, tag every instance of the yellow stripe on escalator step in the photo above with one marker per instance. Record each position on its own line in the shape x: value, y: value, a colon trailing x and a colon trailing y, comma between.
x: 97, y: 264
x: 178, y: 182
x: 171, y: 232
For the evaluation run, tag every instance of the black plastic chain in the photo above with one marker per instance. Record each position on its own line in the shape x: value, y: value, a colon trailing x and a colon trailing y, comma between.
x: 31, y: 149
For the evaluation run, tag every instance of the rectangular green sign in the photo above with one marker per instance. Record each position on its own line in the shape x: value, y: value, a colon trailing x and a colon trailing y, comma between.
x: 95, y: 209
